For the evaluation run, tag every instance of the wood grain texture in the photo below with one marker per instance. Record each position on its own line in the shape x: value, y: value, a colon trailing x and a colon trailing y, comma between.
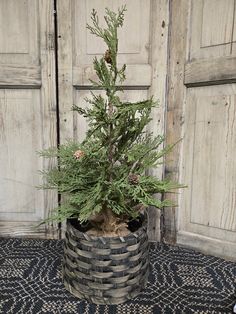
x: 210, y: 71
x: 217, y: 22
x: 19, y: 32
x: 48, y: 101
x: 206, y: 215
x: 175, y: 100
x: 158, y: 89
x: 208, y: 165
x: 20, y: 137
x: 133, y: 36
x: 20, y: 75
x: 233, y: 42
x: 14, y: 19
x: 26, y: 230
x: 28, y: 120
x: 221, y: 248
x: 65, y: 75
x: 137, y: 75
x: 211, y: 32
x: 64, y: 17
x: 213, y: 199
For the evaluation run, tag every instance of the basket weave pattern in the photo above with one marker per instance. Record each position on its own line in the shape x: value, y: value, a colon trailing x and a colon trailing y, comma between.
x: 105, y: 270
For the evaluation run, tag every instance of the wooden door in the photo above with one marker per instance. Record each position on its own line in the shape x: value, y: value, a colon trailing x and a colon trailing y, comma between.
x: 202, y: 110
x: 142, y: 46
x: 27, y: 113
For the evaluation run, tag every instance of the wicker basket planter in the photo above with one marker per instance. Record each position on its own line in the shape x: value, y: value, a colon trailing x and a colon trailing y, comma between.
x: 106, y: 270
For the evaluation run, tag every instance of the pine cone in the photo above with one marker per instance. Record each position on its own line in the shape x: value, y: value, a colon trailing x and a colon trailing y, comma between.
x: 78, y: 154
x: 107, y: 57
x: 133, y: 178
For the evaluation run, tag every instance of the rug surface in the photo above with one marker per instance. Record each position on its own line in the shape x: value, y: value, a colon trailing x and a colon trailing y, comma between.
x: 180, y: 281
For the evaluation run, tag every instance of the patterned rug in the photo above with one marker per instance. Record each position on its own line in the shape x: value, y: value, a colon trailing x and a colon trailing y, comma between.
x: 181, y: 281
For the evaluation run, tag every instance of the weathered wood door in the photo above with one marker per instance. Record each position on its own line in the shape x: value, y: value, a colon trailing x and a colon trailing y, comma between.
x: 27, y: 113
x: 142, y: 46
x: 28, y: 104
x: 202, y: 110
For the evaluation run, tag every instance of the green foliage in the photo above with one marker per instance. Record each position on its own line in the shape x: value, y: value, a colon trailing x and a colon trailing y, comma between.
x: 108, y: 169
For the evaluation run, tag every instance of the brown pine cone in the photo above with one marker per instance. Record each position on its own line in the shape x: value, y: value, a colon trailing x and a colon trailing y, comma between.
x: 133, y: 178
x: 78, y: 154
x: 107, y: 57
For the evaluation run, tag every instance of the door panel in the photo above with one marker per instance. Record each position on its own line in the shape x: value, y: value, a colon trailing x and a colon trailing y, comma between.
x: 133, y: 36
x: 211, y: 41
x: 133, y: 40
x: 27, y: 114
x: 139, y: 45
x: 21, y: 127
x: 209, y: 166
x: 19, y: 32
x: 212, y: 23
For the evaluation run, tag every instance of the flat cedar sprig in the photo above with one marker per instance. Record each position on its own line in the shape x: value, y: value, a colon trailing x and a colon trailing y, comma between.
x: 104, y: 179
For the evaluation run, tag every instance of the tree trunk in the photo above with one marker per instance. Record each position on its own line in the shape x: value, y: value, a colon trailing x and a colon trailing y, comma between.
x: 108, y: 224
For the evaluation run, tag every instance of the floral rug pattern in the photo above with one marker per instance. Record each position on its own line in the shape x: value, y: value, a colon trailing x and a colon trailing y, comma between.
x: 180, y: 281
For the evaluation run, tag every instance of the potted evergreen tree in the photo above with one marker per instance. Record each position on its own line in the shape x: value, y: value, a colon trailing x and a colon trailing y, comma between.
x: 105, y: 185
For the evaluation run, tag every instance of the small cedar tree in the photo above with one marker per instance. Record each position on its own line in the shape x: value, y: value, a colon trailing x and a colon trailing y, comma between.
x: 104, y: 178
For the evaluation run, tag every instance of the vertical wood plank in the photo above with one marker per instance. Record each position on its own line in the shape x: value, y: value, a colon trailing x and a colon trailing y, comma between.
x: 65, y: 83
x: 48, y: 99
x: 158, y: 60
x: 175, y: 99
x: 64, y: 18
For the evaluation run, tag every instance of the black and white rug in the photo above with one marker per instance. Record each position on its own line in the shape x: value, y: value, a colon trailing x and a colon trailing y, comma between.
x: 181, y: 281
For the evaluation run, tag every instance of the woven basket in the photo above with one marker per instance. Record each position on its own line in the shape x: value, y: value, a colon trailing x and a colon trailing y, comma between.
x: 105, y: 270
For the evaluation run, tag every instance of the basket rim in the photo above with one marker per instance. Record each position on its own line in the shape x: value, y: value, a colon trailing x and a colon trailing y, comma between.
x: 107, y: 238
